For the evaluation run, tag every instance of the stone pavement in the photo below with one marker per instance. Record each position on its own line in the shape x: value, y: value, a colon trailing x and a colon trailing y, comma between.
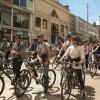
x: 35, y: 92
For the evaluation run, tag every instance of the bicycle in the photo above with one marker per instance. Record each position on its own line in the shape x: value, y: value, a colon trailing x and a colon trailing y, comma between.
x: 94, y: 65
x: 40, y: 80
x: 2, y: 85
x: 70, y: 82
x: 4, y: 71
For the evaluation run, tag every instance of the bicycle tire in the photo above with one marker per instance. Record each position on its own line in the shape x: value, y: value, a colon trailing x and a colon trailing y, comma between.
x: 62, y: 78
x: 50, y: 78
x: 27, y: 73
x: 93, y: 69
x: 21, y: 85
x: 67, y: 91
x: 2, y: 85
x: 54, y: 63
x: 83, y: 76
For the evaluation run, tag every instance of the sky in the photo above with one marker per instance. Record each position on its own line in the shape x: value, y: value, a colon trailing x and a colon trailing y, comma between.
x: 79, y: 8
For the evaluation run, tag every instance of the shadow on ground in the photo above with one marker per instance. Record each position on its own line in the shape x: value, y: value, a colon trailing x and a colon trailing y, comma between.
x: 13, y: 97
x: 90, y: 94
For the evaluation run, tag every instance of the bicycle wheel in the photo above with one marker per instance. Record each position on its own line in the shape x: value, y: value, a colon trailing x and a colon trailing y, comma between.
x: 27, y: 73
x: 54, y: 63
x: 2, y: 85
x: 83, y: 76
x: 52, y: 78
x: 21, y: 85
x: 65, y: 90
x: 62, y: 77
x: 93, y: 69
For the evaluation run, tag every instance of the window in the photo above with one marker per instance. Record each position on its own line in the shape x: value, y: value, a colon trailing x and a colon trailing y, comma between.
x: 38, y: 22
x: 21, y: 19
x: 44, y: 24
x: 54, y: 14
x: 23, y: 3
x: 62, y: 28
x: 20, y: 2
x: 66, y: 29
x: 5, y: 16
x: 16, y: 2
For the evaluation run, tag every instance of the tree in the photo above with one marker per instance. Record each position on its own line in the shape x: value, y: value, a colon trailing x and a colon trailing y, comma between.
x: 94, y: 24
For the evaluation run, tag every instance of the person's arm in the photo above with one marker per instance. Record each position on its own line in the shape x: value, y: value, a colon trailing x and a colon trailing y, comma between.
x: 82, y: 60
x: 95, y: 49
x: 66, y: 54
x: 63, y: 47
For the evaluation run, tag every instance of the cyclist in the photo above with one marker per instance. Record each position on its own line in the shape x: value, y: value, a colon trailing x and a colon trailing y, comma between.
x: 17, y: 52
x: 86, y: 51
x: 33, y: 46
x: 66, y: 44
x: 5, y: 47
x: 76, y: 54
x: 43, y: 55
x: 96, y: 51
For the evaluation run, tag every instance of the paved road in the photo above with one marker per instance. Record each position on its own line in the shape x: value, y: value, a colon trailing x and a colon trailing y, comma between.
x: 35, y: 92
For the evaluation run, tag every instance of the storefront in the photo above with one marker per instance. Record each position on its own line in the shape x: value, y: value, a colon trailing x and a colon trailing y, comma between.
x: 14, y: 21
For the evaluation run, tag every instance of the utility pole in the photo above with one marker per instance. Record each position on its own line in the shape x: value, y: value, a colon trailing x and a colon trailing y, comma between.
x: 99, y: 20
x: 87, y: 7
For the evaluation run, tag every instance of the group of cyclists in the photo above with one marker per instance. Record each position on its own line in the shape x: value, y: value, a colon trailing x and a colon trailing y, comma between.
x: 72, y: 49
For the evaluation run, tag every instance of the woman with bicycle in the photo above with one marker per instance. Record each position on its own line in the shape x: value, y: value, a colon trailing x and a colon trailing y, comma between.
x: 76, y: 54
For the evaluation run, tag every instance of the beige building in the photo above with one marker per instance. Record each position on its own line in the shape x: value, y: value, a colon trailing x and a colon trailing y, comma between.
x: 85, y: 29
x: 15, y: 18
x: 50, y: 18
x: 82, y: 28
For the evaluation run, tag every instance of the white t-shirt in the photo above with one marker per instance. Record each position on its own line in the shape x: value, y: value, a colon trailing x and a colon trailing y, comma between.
x: 75, y: 52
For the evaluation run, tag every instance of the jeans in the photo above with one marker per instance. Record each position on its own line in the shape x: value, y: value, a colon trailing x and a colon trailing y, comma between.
x: 46, y: 79
x: 86, y: 58
x: 16, y: 68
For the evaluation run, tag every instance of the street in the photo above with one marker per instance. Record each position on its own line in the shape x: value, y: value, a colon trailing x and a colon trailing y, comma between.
x: 35, y: 92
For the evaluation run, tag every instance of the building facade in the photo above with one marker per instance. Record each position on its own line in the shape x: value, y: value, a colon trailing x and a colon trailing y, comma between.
x: 51, y: 19
x: 85, y: 29
x: 79, y: 26
x: 15, y: 18
x: 72, y: 24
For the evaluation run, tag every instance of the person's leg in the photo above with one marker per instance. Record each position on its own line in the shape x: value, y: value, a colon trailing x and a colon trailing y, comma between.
x: 86, y: 58
x: 79, y: 75
x: 32, y: 64
x: 46, y: 81
x: 16, y: 68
